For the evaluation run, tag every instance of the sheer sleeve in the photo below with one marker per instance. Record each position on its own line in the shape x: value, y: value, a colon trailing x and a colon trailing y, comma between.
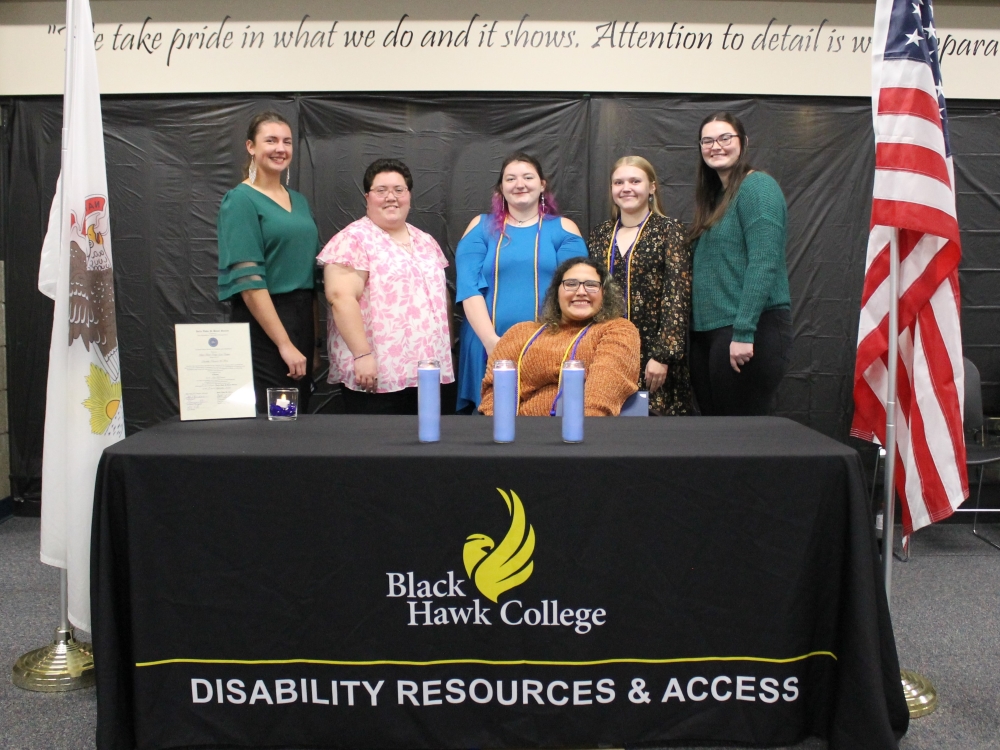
x: 241, y: 246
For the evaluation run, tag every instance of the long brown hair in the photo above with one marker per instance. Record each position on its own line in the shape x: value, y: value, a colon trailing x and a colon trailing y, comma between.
x: 612, y: 299
x: 645, y: 166
x: 259, y: 119
x: 710, y: 199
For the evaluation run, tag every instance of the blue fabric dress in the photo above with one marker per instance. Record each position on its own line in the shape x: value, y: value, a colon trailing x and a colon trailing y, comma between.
x: 515, y: 303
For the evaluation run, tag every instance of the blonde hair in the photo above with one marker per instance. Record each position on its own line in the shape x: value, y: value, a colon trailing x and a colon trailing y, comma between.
x: 645, y: 166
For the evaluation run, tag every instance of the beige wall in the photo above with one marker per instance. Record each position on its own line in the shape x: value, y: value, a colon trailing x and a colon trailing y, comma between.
x: 714, y: 46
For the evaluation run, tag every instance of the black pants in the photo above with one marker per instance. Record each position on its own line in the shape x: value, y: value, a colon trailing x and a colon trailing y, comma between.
x: 362, y: 402
x: 295, y: 311
x: 723, y: 392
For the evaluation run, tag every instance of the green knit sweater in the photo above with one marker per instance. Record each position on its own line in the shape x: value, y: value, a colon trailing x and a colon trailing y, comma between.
x: 739, y: 263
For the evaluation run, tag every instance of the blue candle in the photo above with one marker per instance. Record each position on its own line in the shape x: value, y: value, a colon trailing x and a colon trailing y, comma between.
x: 429, y: 400
x: 573, y: 377
x: 504, y: 400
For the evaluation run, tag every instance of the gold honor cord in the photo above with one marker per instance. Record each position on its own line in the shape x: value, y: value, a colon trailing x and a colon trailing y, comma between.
x: 492, y: 662
x: 524, y: 349
x: 496, y: 269
x: 609, y: 262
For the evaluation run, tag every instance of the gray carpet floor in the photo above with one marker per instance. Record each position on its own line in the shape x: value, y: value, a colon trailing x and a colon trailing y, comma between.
x: 946, y: 612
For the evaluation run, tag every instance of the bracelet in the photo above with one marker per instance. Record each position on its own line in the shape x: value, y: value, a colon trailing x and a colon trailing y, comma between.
x: 362, y: 355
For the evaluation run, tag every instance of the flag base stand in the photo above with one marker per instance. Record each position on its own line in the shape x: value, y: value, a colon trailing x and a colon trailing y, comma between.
x: 921, y: 697
x: 67, y: 664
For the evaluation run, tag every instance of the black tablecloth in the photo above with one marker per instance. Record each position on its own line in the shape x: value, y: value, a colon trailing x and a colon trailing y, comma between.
x: 305, y: 584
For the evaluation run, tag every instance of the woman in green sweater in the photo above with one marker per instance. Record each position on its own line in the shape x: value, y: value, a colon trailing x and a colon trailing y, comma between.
x: 268, y: 243
x: 741, y: 330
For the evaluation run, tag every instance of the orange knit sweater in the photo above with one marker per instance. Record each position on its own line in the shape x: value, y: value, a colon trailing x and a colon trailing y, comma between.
x: 610, y: 354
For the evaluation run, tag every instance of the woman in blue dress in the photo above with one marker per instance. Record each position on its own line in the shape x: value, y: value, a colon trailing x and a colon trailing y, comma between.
x: 505, y: 261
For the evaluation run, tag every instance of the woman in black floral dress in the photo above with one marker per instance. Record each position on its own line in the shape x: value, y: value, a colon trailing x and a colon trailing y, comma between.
x: 649, y: 257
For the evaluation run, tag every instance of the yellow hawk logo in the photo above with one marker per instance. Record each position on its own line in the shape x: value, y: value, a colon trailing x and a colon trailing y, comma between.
x: 509, y: 564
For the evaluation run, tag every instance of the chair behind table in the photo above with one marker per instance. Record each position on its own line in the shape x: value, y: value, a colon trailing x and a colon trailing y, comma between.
x: 636, y: 405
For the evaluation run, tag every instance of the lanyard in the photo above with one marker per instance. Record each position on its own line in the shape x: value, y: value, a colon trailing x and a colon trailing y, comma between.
x: 496, y: 269
x: 610, y: 261
x: 570, y: 353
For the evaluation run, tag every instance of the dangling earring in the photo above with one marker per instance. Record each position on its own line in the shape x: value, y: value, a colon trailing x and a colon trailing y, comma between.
x: 288, y: 177
x: 542, y: 205
x: 252, y: 172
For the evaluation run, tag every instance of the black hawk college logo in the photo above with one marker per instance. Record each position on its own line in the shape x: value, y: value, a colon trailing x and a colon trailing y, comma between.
x: 498, y: 568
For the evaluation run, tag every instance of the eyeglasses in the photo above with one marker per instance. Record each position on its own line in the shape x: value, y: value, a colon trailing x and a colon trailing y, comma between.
x: 589, y: 286
x: 382, y: 190
x: 723, y: 140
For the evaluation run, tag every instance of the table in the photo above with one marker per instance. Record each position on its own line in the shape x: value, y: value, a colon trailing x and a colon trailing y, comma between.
x: 306, y: 584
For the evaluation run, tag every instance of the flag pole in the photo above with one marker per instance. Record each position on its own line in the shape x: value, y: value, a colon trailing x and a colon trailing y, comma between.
x: 889, y: 508
x: 921, y: 697
x: 66, y: 664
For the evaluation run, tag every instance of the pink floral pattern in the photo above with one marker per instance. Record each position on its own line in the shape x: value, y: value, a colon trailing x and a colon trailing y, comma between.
x: 404, y: 305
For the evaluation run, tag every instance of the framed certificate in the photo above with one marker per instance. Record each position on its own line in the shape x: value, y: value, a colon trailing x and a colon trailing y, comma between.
x: 214, y: 371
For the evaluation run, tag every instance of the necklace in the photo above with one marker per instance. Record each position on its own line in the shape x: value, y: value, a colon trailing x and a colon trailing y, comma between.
x: 522, y: 222
x: 496, y: 270
x: 570, y: 353
x: 610, y: 260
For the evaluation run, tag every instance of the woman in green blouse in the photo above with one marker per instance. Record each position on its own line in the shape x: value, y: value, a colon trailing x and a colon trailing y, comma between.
x: 741, y: 329
x: 268, y: 244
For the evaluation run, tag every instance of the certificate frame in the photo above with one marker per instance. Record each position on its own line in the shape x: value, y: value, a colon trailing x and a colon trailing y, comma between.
x: 214, y: 371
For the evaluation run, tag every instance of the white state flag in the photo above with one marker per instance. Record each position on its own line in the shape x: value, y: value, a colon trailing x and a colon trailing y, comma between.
x: 83, y: 410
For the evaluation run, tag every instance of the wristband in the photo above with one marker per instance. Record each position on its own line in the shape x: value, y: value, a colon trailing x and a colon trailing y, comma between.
x: 362, y: 355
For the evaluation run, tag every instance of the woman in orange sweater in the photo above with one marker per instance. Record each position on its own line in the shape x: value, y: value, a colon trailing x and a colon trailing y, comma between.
x: 581, y: 319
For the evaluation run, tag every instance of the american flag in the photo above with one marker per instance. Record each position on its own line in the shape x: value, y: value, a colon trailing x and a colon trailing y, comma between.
x: 914, y: 194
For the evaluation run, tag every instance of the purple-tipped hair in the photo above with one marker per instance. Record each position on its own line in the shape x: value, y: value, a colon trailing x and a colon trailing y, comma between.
x: 498, y: 210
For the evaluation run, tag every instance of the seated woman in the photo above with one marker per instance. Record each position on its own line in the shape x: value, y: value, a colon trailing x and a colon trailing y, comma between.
x: 581, y: 319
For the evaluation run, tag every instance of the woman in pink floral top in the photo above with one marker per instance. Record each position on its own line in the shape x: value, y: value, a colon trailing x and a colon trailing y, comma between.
x: 386, y: 287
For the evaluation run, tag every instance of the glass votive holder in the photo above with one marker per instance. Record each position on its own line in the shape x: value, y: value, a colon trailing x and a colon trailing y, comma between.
x: 282, y: 404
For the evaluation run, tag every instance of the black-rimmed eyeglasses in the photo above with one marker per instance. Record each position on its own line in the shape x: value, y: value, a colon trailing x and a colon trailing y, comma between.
x: 589, y: 286
x: 723, y: 140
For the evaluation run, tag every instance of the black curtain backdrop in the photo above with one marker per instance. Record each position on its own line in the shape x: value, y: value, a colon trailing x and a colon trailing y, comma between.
x: 170, y: 160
